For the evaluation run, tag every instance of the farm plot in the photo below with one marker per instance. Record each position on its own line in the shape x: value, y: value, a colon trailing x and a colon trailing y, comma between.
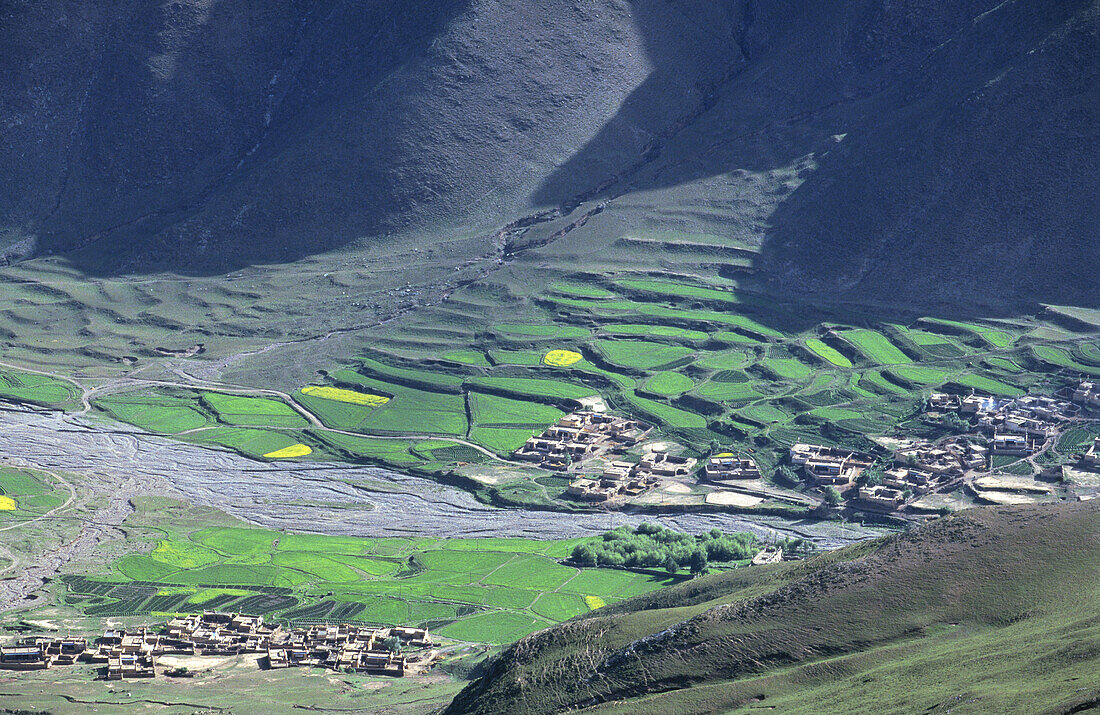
x: 373, y: 449
x: 580, y: 290
x: 787, y: 368
x: 722, y: 391
x: 665, y: 331
x: 252, y: 411
x: 466, y: 357
x: 533, y: 387
x: 532, y: 331
x: 163, y: 411
x: 679, y: 290
x: 254, y: 443
x: 936, y: 345
x: 665, y: 414
x: 875, y: 346
x: 669, y: 384
x: 502, y: 424
x: 1059, y: 357
x: 19, y: 386
x: 920, y: 374
x: 453, y: 584
x: 409, y: 376
x: 411, y: 410
x: 640, y: 354
x: 987, y: 385
x: 996, y: 338
x: 26, y: 493
x: 827, y: 353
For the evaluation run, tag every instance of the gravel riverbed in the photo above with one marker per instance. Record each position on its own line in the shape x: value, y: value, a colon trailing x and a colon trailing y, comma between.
x: 326, y: 498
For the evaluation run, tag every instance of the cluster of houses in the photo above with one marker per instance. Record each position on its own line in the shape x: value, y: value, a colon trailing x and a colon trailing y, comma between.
x: 1019, y: 426
x: 630, y: 479
x: 133, y: 654
x: 1087, y: 393
x: 581, y: 435
x: 729, y: 467
x: 829, y: 466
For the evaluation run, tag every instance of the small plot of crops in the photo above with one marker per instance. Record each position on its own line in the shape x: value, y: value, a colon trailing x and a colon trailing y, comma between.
x: 156, y: 411
x: 27, y: 493
x: 640, y: 354
x: 466, y: 357
x: 412, y: 410
x: 679, y: 290
x: 19, y: 386
x: 252, y: 411
x: 341, y: 395
x: 875, y: 346
x: 920, y: 374
x: 666, y: 331
x: 1059, y: 357
x: 502, y: 424
x: 765, y: 413
x: 996, y: 338
x: 426, y: 379
x: 787, y: 368
x: 530, y: 358
x: 532, y: 387
x: 562, y: 358
x: 255, y: 443
x: 987, y: 385
x: 873, y: 381
x: 529, y: 331
x: 727, y: 391
x: 394, y: 452
x: 827, y: 353
x: 294, y: 450
x: 669, y: 384
x: 580, y: 290
x: 665, y: 414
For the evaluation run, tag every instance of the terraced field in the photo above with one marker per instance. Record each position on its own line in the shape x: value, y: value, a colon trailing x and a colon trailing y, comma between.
x: 481, y: 590
x: 701, y: 359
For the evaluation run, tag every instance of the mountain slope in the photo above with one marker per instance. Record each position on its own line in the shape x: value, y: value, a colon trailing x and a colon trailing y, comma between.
x: 986, y: 610
x: 894, y: 151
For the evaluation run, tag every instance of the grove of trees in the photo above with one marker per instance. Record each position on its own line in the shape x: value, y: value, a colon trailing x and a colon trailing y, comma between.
x: 653, y: 546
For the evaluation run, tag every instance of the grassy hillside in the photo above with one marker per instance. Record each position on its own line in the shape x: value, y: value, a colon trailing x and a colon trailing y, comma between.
x: 991, y: 610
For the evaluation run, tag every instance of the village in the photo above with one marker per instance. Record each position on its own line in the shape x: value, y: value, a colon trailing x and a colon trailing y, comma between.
x: 610, y: 462
x: 127, y: 654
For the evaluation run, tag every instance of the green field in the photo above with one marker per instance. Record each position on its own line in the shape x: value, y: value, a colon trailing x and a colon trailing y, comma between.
x: 252, y: 411
x: 827, y: 353
x: 466, y: 357
x: 162, y: 411
x: 640, y: 354
x: 248, y: 441
x: 669, y: 384
x: 787, y: 368
x: 26, y: 493
x: 411, y: 410
x: 20, y: 386
x: 875, y: 346
x: 1059, y: 357
x: 535, y: 388
x: 679, y: 290
x: 665, y: 331
x: 920, y: 374
x: 666, y: 414
x: 482, y: 590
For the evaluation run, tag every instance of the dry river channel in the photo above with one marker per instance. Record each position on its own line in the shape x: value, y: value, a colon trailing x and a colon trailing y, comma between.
x: 322, y: 498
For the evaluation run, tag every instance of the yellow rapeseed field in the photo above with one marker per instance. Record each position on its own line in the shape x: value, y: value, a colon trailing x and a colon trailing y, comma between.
x: 594, y: 602
x: 335, y: 393
x: 294, y: 450
x: 724, y: 454
x: 562, y: 358
x: 6, y: 503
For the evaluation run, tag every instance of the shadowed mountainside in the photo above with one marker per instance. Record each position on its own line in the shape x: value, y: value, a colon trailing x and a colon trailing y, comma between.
x: 887, y: 150
x: 988, y: 610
